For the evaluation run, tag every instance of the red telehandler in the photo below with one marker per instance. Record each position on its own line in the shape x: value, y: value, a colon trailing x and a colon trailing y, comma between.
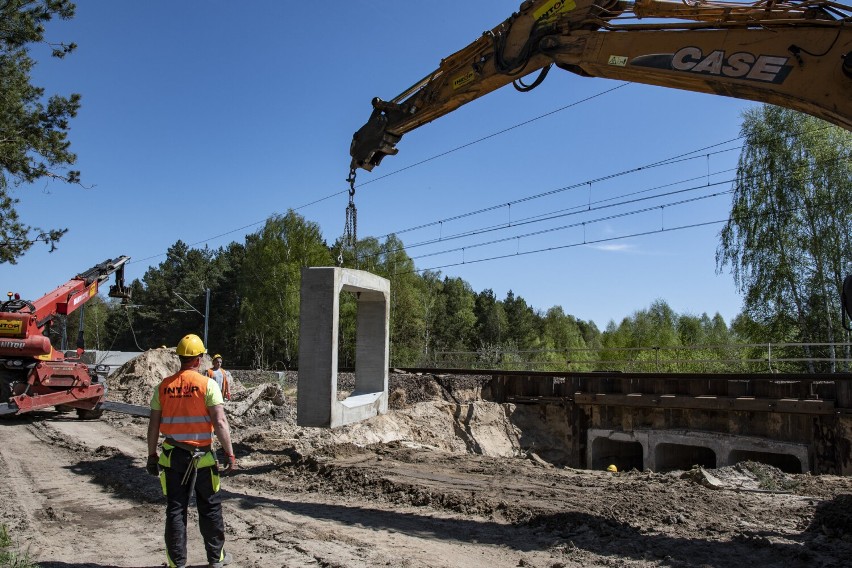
x: 34, y: 375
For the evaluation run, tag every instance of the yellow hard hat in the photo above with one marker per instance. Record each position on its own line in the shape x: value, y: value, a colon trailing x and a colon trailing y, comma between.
x: 612, y: 468
x: 190, y: 346
x: 217, y: 356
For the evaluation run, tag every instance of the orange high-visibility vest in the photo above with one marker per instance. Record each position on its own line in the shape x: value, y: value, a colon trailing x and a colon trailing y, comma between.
x: 184, y: 409
x: 226, y: 388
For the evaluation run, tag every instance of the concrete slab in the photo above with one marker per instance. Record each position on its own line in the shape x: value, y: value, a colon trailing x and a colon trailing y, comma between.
x: 317, y: 403
x: 665, y: 449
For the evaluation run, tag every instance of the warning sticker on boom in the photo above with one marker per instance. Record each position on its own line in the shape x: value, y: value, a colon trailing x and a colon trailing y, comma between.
x: 549, y: 10
x: 462, y: 80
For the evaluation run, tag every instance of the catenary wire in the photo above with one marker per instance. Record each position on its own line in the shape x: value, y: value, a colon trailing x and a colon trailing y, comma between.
x: 693, y: 154
x: 583, y: 223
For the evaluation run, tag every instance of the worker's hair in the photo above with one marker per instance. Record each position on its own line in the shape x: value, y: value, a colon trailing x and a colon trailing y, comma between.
x: 186, y: 359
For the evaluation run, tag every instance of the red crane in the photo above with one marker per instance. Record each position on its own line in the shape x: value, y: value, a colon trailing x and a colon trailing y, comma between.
x: 34, y: 375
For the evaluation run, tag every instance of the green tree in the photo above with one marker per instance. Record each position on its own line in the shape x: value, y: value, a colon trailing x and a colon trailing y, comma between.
x: 453, y: 320
x: 637, y: 342
x: 491, y: 321
x: 562, y: 337
x: 271, y: 279
x: 430, y: 293
x: 33, y: 130
x: 224, y: 279
x: 408, y: 320
x: 788, y: 238
x: 157, y: 315
x: 94, y: 315
x: 523, y: 322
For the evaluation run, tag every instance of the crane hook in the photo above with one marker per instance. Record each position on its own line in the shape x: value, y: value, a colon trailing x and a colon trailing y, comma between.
x: 350, y: 229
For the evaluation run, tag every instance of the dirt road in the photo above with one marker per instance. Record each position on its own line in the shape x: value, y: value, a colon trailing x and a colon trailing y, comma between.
x: 76, y: 493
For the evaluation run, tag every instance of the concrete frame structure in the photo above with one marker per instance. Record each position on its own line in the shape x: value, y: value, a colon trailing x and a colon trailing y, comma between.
x: 317, y: 403
x: 726, y: 448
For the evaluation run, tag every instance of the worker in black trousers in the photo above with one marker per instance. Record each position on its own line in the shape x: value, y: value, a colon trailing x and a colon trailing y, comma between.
x: 187, y: 408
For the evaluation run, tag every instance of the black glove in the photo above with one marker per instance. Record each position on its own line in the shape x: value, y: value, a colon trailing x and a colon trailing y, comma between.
x: 230, y: 465
x: 152, y: 467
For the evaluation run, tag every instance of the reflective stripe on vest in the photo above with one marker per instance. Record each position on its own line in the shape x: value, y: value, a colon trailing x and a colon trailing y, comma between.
x: 185, y: 416
x: 184, y: 419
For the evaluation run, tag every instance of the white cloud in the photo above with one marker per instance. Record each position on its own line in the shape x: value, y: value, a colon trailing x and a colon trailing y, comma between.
x: 616, y: 247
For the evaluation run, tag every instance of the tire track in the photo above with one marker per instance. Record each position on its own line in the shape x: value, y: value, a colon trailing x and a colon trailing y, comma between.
x: 68, y: 516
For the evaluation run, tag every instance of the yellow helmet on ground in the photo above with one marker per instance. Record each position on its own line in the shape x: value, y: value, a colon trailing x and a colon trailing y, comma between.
x: 190, y: 346
x: 612, y: 468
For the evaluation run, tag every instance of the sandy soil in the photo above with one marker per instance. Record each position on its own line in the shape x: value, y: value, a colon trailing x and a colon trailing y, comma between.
x: 441, y: 481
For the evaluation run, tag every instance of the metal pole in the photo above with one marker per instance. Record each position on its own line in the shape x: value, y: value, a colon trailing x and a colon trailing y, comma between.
x: 206, y: 315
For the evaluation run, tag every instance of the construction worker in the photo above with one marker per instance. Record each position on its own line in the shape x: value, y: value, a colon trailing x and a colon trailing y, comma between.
x: 221, y: 376
x: 187, y: 409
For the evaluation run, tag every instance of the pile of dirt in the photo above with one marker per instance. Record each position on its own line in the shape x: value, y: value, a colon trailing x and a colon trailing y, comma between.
x: 744, y: 476
x: 408, y: 388
x: 135, y: 381
x: 260, y: 405
x: 437, y: 412
x: 429, y: 411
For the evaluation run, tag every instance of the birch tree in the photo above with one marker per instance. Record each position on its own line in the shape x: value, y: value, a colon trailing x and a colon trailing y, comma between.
x: 787, y: 240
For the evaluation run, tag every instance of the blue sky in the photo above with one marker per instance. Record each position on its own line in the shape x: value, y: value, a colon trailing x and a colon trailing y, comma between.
x: 204, y: 118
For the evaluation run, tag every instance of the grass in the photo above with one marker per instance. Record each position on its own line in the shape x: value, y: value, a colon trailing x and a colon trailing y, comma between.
x: 9, y: 555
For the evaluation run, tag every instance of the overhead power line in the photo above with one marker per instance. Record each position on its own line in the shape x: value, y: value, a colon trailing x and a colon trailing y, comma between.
x: 575, y: 225
x: 477, y: 141
x: 580, y: 209
x: 563, y: 214
x: 693, y: 154
x: 578, y: 185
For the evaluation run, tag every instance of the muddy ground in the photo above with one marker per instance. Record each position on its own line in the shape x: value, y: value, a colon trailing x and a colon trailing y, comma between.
x: 443, y: 480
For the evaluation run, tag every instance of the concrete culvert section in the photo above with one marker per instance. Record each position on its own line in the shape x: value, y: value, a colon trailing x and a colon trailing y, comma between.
x: 682, y: 456
x: 624, y: 455
x: 785, y: 462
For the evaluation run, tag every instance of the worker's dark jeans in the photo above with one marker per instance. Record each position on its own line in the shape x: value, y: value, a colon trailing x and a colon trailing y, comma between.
x: 208, y: 501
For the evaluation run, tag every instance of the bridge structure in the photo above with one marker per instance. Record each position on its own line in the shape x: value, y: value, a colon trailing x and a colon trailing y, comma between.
x: 657, y: 421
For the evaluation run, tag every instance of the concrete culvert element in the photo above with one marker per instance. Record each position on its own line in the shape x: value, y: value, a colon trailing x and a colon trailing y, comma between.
x: 785, y: 462
x: 318, y: 404
x: 624, y: 455
x: 682, y: 456
x: 683, y: 449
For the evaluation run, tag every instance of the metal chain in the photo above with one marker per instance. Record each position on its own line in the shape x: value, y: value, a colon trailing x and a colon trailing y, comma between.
x: 350, y: 229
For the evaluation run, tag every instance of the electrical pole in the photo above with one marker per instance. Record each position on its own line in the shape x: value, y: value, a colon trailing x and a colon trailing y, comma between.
x: 206, y: 315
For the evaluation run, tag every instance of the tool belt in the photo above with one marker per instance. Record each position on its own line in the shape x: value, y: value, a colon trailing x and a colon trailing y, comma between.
x: 199, y: 456
x: 187, y: 447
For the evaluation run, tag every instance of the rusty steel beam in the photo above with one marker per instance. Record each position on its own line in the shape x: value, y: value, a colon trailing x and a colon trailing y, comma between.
x: 745, y: 404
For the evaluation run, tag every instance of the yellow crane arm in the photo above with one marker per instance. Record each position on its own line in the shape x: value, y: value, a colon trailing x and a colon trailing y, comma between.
x: 792, y: 54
